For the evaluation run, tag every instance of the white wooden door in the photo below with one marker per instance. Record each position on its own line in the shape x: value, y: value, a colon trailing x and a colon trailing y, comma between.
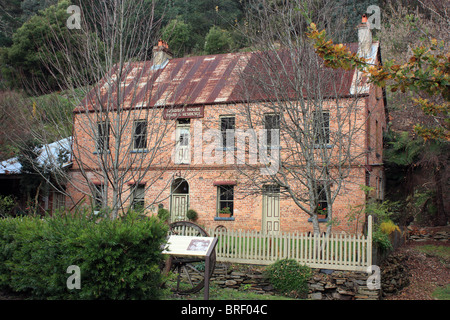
x: 178, y: 206
x: 271, y: 210
x: 183, y: 145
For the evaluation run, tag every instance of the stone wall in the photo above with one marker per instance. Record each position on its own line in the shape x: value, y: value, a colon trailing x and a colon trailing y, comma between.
x: 250, y: 278
x: 394, y: 274
x: 429, y: 234
x: 397, y: 239
x: 340, y: 285
x: 323, y: 285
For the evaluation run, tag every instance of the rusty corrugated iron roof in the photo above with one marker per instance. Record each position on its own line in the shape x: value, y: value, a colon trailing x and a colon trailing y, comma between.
x: 211, y: 79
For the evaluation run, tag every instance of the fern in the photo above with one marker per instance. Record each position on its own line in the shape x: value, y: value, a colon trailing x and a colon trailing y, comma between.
x: 403, y: 149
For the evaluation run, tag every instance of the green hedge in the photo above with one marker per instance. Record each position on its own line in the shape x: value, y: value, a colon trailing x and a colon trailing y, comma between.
x: 118, y: 259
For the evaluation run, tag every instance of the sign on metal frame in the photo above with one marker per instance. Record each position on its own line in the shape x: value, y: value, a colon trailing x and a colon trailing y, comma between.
x: 193, y: 247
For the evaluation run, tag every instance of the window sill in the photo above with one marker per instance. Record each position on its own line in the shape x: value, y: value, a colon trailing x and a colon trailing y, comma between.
x: 101, y: 152
x: 327, y: 146
x: 320, y: 220
x: 223, y: 219
x: 140, y: 151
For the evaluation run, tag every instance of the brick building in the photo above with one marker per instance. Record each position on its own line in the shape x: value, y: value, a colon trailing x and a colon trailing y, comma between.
x: 173, y: 149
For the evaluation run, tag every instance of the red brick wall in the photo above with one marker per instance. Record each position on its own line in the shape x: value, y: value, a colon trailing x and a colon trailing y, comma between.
x: 203, y: 194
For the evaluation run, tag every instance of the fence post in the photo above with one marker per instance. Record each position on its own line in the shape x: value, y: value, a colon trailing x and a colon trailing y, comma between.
x: 369, y: 240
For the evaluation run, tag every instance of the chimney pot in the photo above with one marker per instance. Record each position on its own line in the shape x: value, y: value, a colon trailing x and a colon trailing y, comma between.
x: 161, y: 54
x: 364, y: 37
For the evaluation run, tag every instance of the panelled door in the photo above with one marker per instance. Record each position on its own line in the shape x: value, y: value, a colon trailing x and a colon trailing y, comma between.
x: 179, y: 200
x: 271, y: 209
x: 182, y: 147
x: 179, y: 207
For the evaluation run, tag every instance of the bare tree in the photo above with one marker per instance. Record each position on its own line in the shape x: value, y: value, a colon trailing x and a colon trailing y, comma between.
x: 117, y: 139
x: 321, y: 123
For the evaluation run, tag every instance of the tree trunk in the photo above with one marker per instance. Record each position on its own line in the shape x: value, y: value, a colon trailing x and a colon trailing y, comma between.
x: 36, y: 198
x: 315, y: 222
x: 441, y: 219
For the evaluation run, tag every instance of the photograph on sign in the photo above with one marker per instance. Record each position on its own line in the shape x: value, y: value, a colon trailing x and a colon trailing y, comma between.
x: 198, y: 245
x: 188, y: 245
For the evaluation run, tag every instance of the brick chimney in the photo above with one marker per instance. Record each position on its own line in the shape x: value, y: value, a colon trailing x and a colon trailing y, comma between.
x: 161, y: 54
x: 364, y: 37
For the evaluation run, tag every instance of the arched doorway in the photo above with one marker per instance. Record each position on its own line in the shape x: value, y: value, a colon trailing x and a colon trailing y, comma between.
x: 179, y: 200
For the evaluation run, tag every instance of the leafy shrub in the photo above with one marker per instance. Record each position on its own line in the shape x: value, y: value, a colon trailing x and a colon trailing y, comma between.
x: 179, y: 36
x: 388, y: 227
x: 163, y: 214
x: 381, y: 240
x: 289, y: 277
x: 6, y: 204
x: 7, y: 248
x: 382, y: 213
x: 218, y: 41
x: 118, y: 259
x: 192, y: 214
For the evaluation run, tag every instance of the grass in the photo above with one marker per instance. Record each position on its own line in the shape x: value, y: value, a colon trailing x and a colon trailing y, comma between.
x: 441, y: 252
x: 218, y: 293
x: 442, y: 293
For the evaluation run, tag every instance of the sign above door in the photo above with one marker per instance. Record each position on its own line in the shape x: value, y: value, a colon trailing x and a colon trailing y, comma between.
x: 187, y: 112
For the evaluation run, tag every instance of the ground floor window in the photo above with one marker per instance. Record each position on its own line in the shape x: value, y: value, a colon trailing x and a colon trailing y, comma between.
x: 138, y: 198
x: 99, y: 197
x: 225, y: 199
x: 59, y: 201
x: 322, y: 203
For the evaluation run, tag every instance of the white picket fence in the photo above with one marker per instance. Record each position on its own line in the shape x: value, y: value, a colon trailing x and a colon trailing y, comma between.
x: 334, y: 251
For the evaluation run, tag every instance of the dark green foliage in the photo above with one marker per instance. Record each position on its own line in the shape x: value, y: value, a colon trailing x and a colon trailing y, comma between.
x: 31, y: 179
x: 7, y: 203
x: 203, y: 14
x: 163, y: 214
x: 10, y: 17
x: 289, y: 277
x: 23, y: 58
x: 350, y: 16
x: 192, y: 214
x: 409, y: 162
x: 31, y: 7
x: 38, y: 53
x: 179, y: 37
x: 381, y: 240
x: 118, y: 259
x: 200, y: 16
x: 402, y: 149
x: 218, y: 41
